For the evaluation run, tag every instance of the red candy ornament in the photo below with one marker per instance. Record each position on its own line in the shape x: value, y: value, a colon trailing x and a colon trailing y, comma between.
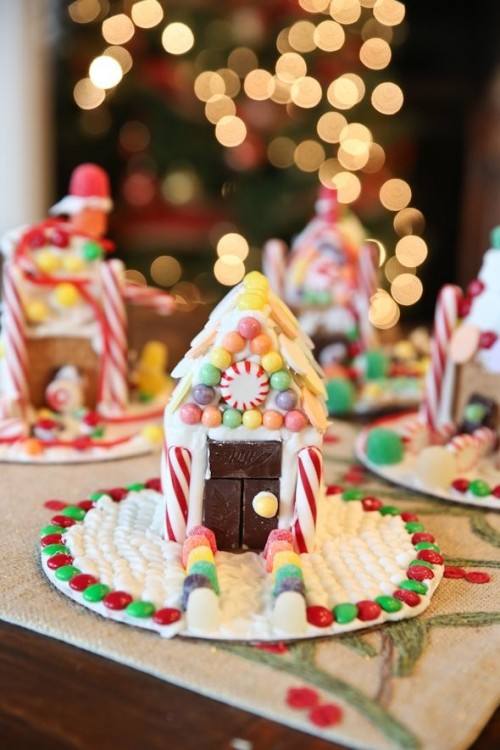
x: 302, y: 697
x: 411, y: 598
x: 320, y: 617
x: 167, y: 616
x: 326, y: 715
x: 334, y: 489
x: 50, y: 539
x: 464, y: 307
x: 117, y: 600
x: 371, y: 503
x: 477, y: 576
x: 496, y: 491
x: 59, y: 237
x: 451, y: 571
x: 487, y: 339
x: 429, y: 555
x: 461, y: 485
x: 154, y: 484
x: 368, y: 610
x: 407, y: 517
x: 85, y: 504
x: 82, y: 581
x: 57, y: 561
x: 64, y: 521
x: 422, y: 536
x: 419, y: 573
x: 54, y: 504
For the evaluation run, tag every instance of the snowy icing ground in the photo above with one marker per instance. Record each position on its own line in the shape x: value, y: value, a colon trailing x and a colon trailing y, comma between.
x: 366, y: 555
x: 404, y: 474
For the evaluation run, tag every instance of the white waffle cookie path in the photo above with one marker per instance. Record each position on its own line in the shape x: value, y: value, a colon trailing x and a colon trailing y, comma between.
x: 371, y: 564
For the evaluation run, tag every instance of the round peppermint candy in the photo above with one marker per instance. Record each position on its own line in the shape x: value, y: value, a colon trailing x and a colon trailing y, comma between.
x: 244, y: 385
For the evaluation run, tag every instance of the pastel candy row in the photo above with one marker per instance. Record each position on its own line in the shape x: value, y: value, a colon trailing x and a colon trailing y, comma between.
x: 200, y: 593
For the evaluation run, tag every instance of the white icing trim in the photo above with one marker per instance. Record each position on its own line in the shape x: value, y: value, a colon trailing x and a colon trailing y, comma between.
x: 73, y: 204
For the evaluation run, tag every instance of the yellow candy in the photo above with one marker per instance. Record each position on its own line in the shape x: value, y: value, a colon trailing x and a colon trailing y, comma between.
x: 372, y: 390
x: 47, y: 261
x: 153, y: 433
x: 45, y: 414
x: 404, y: 350
x: 265, y: 504
x: 67, y: 295
x: 253, y: 300
x: 252, y: 419
x: 285, y: 558
x: 220, y: 358
x: 255, y: 281
x: 199, y: 553
x: 73, y: 263
x: 272, y: 361
x: 37, y: 311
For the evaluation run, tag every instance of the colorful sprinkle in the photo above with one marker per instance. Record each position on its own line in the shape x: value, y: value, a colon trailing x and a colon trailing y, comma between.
x: 57, y: 561
x: 52, y: 528
x: 416, y: 586
x: 479, y: 488
x: 419, y: 573
x: 352, y: 494
x: 389, y: 510
x: 326, y: 715
x: 371, y: 503
x: 413, y: 526
x: 422, y: 537
x: 54, y: 549
x: 55, y: 504
x: 66, y: 572
x: 452, y: 571
x: 63, y: 521
x: 430, y: 556
x: 50, y: 539
x: 460, y: 485
x: 72, y: 511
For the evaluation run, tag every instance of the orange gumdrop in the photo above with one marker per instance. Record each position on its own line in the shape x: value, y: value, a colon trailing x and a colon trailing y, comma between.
x: 197, y: 540
x: 280, y: 545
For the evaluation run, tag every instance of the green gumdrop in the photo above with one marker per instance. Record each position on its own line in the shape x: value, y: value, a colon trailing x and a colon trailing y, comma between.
x: 91, y: 250
x: 206, y: 568
x: 388, y: 603
x: 287, y: 571
x: 376, y: 364
x: 345, y: 613
x: 340, y: 395
x: 384, y: 446
x: 495, y: 237
x: 52, y: 528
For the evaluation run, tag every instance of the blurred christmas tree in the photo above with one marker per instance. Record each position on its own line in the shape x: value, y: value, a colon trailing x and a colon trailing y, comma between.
x: 218, y: 116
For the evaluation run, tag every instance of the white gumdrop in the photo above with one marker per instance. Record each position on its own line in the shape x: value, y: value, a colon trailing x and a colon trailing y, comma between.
x: 436, y: 467
x: 203, y: 613
x: 289, y: 613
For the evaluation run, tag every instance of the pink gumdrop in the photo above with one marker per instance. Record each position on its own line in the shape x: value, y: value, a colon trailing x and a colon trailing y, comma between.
x: 278, y: 535
x: 249, y: 328
x: 190, y: 413
x: 281, y: 545
x: 191, y: 542
x: 208, y: 533
x: 295, y: 421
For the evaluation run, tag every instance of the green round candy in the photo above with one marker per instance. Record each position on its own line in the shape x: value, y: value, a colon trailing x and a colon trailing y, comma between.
x: 140, y: 608
x: 384, y: 446
x: 475, y: 413
x: 52, y: 528
x: 495, y: 237
x: 427, y: 545
x: 98, y: 432
x: 353, y: 494
x: 66, y: 572
x: 340, y: 394
x: 389, y: 510
x: 345, y: 613
x: 353, y: 334
x: 54, y: 549
x: 72, y: 511
x: 413, y: 526
x: 388, y: 603
x: 209, y: 374
x: 417, y: 586
x: 422, y: 563
x: 135, y: 487
x: 231, y: 418
x: 376, y: 364
x: 323, y: 297
x: 96, y: 592
x: 95, y: 496
x: 91, y: 251
x: 280, y: 380
x: 479, y: 488
x: 206, y: 568
x: 287, y: 571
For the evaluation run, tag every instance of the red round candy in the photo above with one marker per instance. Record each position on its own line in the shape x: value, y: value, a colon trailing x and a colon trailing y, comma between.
x: 422, y: 536
x: 371, y: 503
x: 496, y: 491
x: 249, y: 328
x: 334, y: 489
x: 54, y: 504
x: 116, y: 493
x: 167, y: 616
x: 92, y: 419
x: 461, y: 485
x: 320, y: 617
x: 82, y: 443
x: 475, y: 288
x: 64, y: 521
x: 487, y: 339
x: 273, y: 648
x: 464, y: 307
x: 82, y: 581
x: 409, y: 517
x: 302, y: 697
x: 36, y: 238
x: 477, y: 576
x: 429, y: 555
x: 57, y: 561
x: 154, y: 484
x: 411, y: 598
x: 85, y: 504
x: 451, y: 571
x: 368, y: 610
x: 59, y: 237
x: 326, y: 715
x: 50, y: 539
x: 354, y: 349
x: 419, y: 573
x: 117, y: 600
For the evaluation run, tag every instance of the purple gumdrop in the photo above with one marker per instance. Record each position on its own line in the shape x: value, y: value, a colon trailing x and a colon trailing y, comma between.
x: 286, y: 400
x: 192, y: 582
x: 290, y: 584
x: 203, y: 394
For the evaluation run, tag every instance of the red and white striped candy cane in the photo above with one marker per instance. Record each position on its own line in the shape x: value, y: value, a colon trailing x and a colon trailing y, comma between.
x: 114, y: 384
x: 367, y: 285
x: 15, y: 362
x: 445, y: 321
x: 175, y: 479
x: 147, y: 296
x: 274, y: 264
x: 309, y: 480
x: 486, y: 439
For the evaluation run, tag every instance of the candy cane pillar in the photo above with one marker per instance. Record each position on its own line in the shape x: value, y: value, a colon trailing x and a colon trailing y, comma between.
x: 367, y: 284
x: 176, y: 478
x: 14, y: 366
x: 114, y: 384
x: 274, y: 264
x: 309, y: 480
x: 435, y: 410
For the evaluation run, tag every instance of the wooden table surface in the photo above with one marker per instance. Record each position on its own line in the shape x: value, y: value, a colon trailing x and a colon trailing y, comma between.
x: 57, y: 697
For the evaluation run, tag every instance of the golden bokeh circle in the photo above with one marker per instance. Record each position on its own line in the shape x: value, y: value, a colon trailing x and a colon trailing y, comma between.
x: 345, y: 11
x: 309, y: 155
x: 233, y: 243
x: 395, y: 194
x: 208, y: 84
x: 407, y: 289
x: 329, y: 36
x: 229, y: 270
x: 409, y: 221
x: 411, y: 250
x: 177, y: 38
x: 242, y: 60
x: 121, y: 55
x: 376, y: 159
x: 230, y: 131
x: 330, y: 125
x: 375, y: 53
x: 105, y: 72
x: 314, y: 6
x: 327, y: 172
x: 219, y: 106
x: 280, y: 152
x: 384, y: 312
x: 166, y: 270
x: 290, y: 66
x: 118, y: 29
x: 231, y: 80
x: 348, y: 187
x: 306, y: 92
x: 301, y: 36
x: 389, y: 12
x: 258, y: 84
x: 387, y: 98
x: 86, y: 95
x: 147, y: 13
x: 393, y: 268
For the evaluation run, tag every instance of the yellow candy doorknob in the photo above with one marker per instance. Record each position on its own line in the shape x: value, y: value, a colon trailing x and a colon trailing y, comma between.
x: 67, y: 295
x: 265, y: 504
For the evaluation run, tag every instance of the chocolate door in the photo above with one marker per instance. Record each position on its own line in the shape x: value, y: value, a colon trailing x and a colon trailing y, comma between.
x: 222, y: 511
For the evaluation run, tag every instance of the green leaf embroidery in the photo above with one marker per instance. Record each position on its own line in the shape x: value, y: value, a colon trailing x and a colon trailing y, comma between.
x: 409, y: 637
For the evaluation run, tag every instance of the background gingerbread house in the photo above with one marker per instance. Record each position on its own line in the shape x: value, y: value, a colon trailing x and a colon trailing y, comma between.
x: 244, y: 426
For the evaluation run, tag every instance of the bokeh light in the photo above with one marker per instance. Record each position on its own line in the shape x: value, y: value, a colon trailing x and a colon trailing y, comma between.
x: 105, y: 72
x: 290, y: 67
x: 86, y: 95
x: 384, y: 311
x: 280, y: 152
x: 301, y: 36
x: 376, y: 159
x: 407, y: 289
x: 309, y: 155
x: 327, y: 172
x: 219, y: 106
x: 118, y: 29
x: 395, y: 194
x: 166, y: 270
x: 348, y: 187
x: 375, y: 53
x: 121, y: 55
x: 393, y: 268
x: 242, y: 60
x: 84, y: 11
x: 346, y: 91
x: 409, y: 221
x: 387, y: 98
x: 230, y: 131
x: 208, y: 84
x: 258, y: 84
x: 411, y: 250
x: 389, y: 12
x: 229, y: 270
x: 231, y: 80
x: 314, y: 6
x: 330, y: 125
x: 180, y: 186
x: 345, y: 11
x: 177, y: 38
x: 329, y: 36
x: 233, y: 244
x: 135, y: 277
x: 306, y: 92
x: 147, y: 13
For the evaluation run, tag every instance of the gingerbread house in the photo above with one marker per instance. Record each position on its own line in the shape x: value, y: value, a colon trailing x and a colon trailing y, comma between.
x: 326, y: 280
x: 64, y: 319
x: 244, y: 426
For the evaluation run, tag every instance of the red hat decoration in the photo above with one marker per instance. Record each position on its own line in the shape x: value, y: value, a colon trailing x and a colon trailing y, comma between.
x: 88, y: 188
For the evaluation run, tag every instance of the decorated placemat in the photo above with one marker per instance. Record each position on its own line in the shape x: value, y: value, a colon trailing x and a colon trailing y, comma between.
x: 389, y: 686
